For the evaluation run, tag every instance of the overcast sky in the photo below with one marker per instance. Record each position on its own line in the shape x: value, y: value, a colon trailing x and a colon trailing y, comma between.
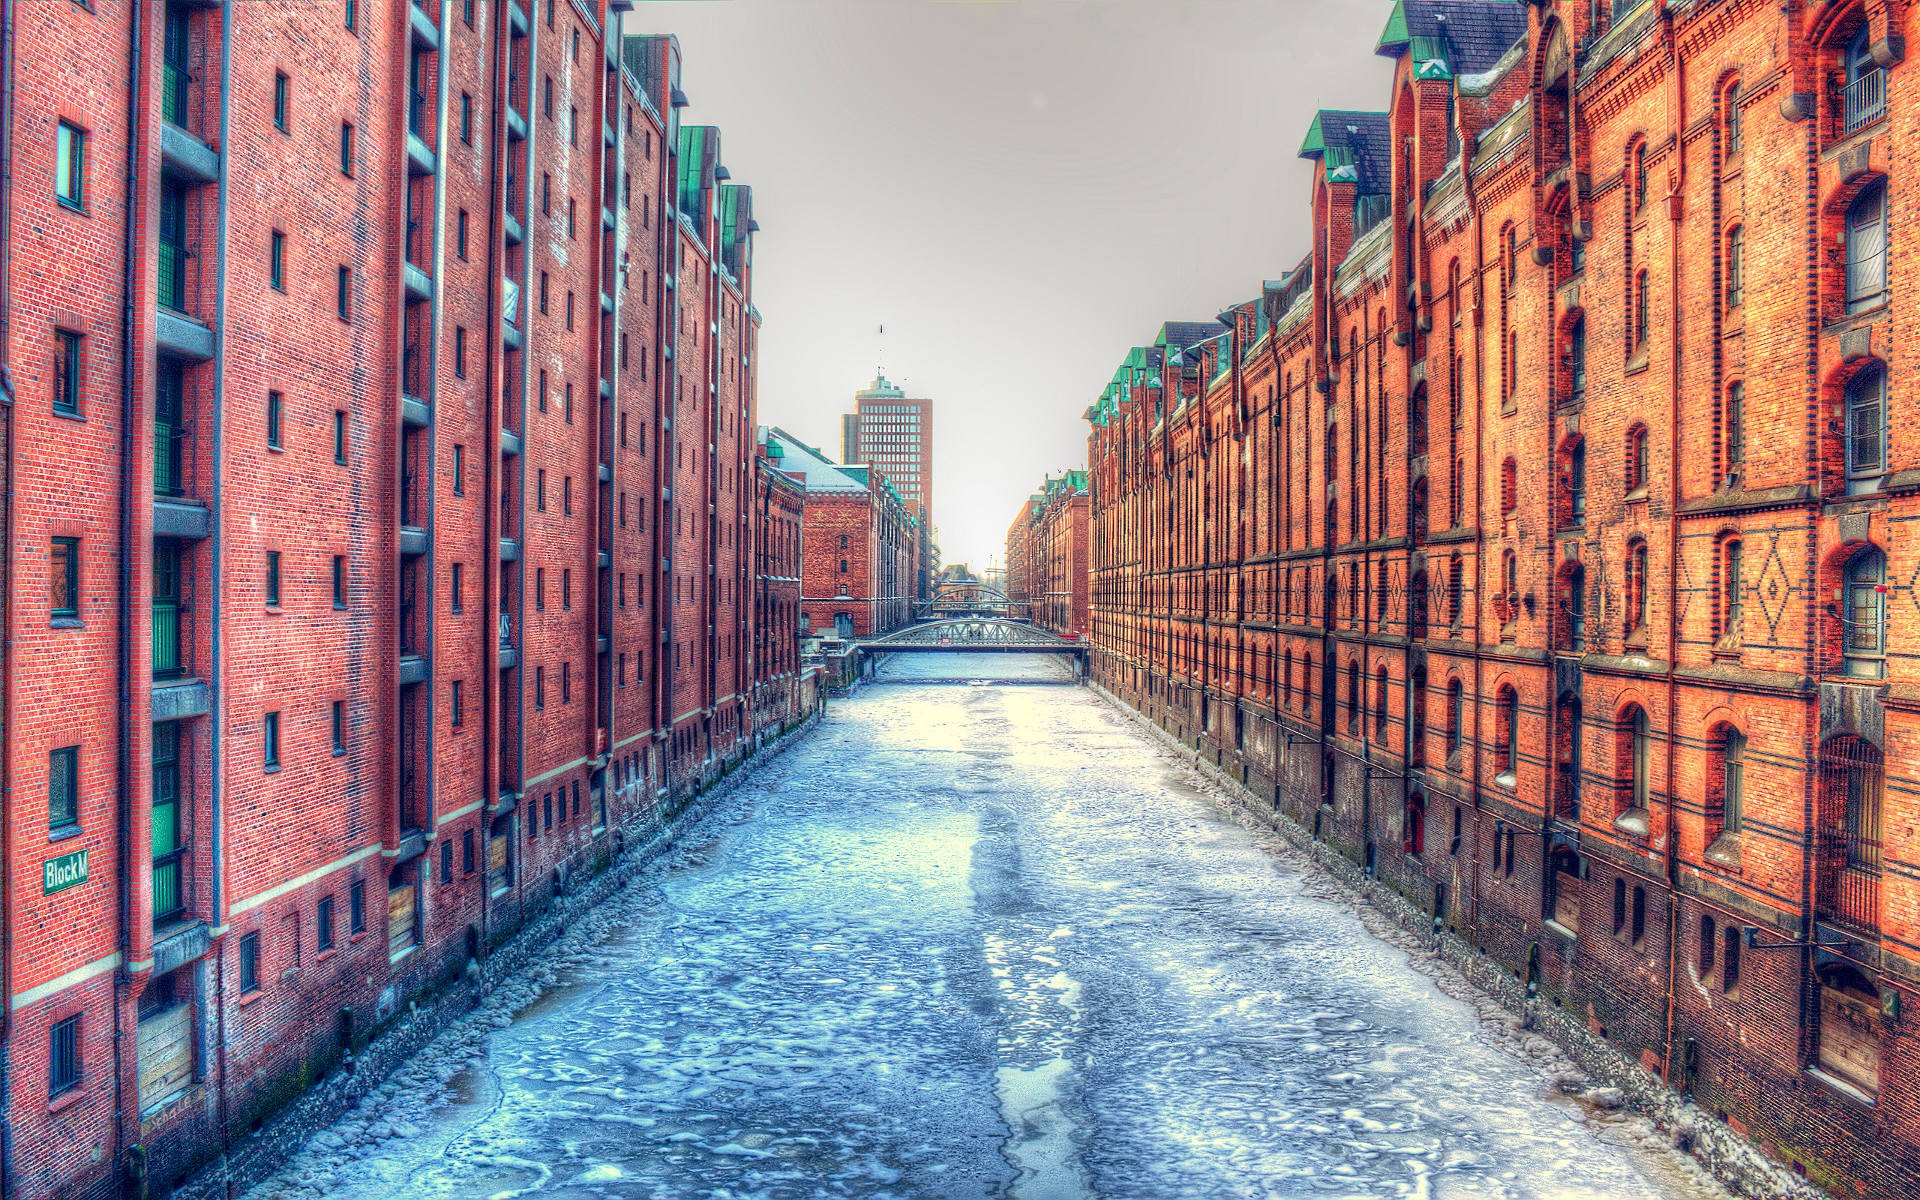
x: 1019, y: 190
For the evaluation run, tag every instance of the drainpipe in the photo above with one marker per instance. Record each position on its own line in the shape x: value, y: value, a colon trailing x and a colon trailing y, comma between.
x: 491, y: 471
x: 1676, y: 110
x: 124, y: 578
x: 6, y: 600
x: 1480, y: 513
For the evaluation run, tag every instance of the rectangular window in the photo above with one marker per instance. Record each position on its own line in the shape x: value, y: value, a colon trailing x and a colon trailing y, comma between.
x: 567, y: 412
x: 70, y: 166
x: 270, y: 741
x: 339, y: 435
x: 539, y: 687
x: 66, y: 372
x: 276, y: 414
x: 460, y: 235
x: 63, y: 1056
x: 540, y: 489
x: 273, y: 578
x: 63, y: 578
x: 573, y: 125
x: 277, y: 260
x: 546, y: 195
x: 459, y: 469
x: 540, y: 589
x: 63, y: 789
x: 572, y: 211
x: 543, y: 391
x: 460, y: 351
x: 569, y: 308
x: 566, y: 683
x: 249, y: 963
x: 323, y: 924
x: 281, y: 86
x: 566, y: 589
x: 341, y: 298
x: 357, y: 907
x: 346, y: 148
x: 543, y: 293
x: 339, y: 581
x: 339, y: 718
x: 466, y: 852
x: 454, y: 698
x: 566, y: 493
x: 466, y: 118
x: 455, y: 588
x: 446, y: 862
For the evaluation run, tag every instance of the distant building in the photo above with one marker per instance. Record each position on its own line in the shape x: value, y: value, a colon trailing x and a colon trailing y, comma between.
x: 894, y: 432
x: 860, y: 543
x: 1047, y: 565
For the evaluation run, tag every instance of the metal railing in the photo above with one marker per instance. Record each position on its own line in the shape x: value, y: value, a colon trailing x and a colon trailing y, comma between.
x: 169, y: 884
x: 173, y: 275
x: 1864, y: 101
x: 167, y: 661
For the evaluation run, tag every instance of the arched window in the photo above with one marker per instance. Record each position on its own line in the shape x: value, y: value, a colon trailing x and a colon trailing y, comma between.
x: 1726, y: 781
x: 1736, y: 266
x: 1509, y: 486
x: 1735, y: 123
x: 1642, y: 310
x: 1865, y: 98
x: 1732, y: 598
x: 1286, y: 679
x: 1636, y: 459
x: 1634, y: 754
x: 1413, y: 826
x: 1513, y: 363
x: 1852, y: 783
x: 1456, y: 489
x: 1506, y: 734
x: 1455, y: 702
x: 1507, y: 603
x: 1420, y: 518
x: 1734, y: 428
x: 1636, y: 586
x: 1573, y: 481
x: 1863, y: 614
x: 1573, y: 607
x: 1577, y: 359
x: 1867, y: 422
x: 1417, y: 601
x: 1639, y: 176
x: 1867, y: 248
x: 1380, y: 704
x: 1353, y: 697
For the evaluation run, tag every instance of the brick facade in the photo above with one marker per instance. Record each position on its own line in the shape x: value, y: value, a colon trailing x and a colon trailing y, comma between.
x: 1538, y: 540
x: 419, y: 544
x: 861, y: 547
x: 1047, y: 556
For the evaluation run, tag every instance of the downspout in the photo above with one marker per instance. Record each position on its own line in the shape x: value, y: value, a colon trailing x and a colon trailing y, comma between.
x: 123, y: 574
x: 215, y: 842
x: 492, y: 472
x: 7, y: 35
x: 1676, y: 105
x: 1479, y: 508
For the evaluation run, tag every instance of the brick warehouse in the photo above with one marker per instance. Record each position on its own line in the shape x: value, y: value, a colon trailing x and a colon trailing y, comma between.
x: 522, y: 549
x: 1047, y: 555
x: 861, y: 544
x: 1541, y: 541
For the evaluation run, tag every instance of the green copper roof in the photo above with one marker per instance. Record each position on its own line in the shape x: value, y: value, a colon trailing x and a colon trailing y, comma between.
x: 736, y: 223
x: 699, y: 151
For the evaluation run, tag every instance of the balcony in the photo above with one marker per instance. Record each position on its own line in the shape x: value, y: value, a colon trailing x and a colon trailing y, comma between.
x: 510, y: 443
x: 420, y: 157
x: 425, y: 34
x: 419, y: 283
x: 178, y: 699
x: 174, y: 332
x: 415, y: 413
x: 1864, y: 101
x: 185, y: 156
x: 516, y: 125
x: 413, y: 669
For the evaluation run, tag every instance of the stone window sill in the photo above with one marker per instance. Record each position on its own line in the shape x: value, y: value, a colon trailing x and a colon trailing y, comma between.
x: 66, y: 1100
x: 1638, y: 362
x: 1724, y: 852
x: 1841, y: 1086
x: 1634, y: 821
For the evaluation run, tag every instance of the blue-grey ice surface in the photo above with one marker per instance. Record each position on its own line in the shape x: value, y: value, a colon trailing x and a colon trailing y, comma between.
x: 975, y: 941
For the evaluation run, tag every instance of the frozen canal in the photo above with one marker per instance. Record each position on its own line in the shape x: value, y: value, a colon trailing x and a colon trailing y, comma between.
x: 972, y: 941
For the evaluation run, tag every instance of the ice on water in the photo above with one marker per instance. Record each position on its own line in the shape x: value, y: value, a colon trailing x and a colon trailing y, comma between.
x: 973, y: 942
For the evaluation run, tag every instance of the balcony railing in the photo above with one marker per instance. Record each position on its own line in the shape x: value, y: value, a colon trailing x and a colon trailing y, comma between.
x: 1850, y: 880
x: 169, y: 457
x: 1864, y: 101
x: 167, y: 662
x: 169, y: 884
x: 173, y: 276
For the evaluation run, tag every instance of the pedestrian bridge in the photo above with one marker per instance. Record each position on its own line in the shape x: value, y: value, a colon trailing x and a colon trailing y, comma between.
x: 973, y: 635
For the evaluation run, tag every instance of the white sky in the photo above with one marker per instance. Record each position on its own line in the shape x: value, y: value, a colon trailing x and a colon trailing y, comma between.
x: 1018, y: 189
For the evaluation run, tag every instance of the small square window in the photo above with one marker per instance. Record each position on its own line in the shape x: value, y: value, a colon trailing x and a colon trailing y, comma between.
x: 282, y: 86
x: 70, y: 166
x: 63, y: 1056
x: 249, y: 963
x: 273, y: 578
x: 66, y: 372
x: 270, y: 741
x: 64, y: 578
x: 276, y: 415
x: 63, y: 789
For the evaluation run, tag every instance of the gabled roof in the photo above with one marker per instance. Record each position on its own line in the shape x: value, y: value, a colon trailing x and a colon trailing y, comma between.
x: 1452, y: 37
x: 815, y: 469
x: 1178, y: 335
x: 1354, y: 147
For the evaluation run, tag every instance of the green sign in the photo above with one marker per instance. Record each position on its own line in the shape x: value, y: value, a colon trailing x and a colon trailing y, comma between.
x: 64, y: 872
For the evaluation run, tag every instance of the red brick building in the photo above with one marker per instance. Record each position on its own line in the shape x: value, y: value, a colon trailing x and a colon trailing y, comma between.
x: 1049, y: 541
x: 365, y: 573
x: 860, y: 545
x: 1536, y: 541
x: 893, y: 431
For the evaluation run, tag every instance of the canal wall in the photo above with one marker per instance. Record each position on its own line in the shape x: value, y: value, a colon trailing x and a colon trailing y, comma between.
x: 1609, y: 1072
x: 254, y: 1155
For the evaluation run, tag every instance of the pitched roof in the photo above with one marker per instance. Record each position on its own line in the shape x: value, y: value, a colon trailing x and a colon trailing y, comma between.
x: 815, y: 469
x: 1354, y: 147
x: 1452, y: 37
